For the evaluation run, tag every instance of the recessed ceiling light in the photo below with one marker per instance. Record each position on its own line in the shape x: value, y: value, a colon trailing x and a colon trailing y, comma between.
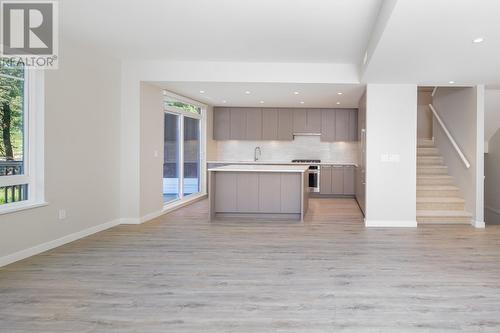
x: 247, y: 92
x: 340, y: 93
x: 478, y: 40
x: 301, y: 102
x: 224, y: 101
x: 451, y: 82
x: 295, y: 92
x: 202, y: 91
x: 338, y: 103
x: 261, y: 102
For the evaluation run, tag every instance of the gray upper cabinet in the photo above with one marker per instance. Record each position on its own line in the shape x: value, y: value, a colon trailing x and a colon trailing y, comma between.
x: 307, y: 121
x: 269, y: 124
x: 254, y: 124
x: 299, y: 120
x: 285, y: 124
x: 353, y: 125
x: 222, y: 123
x: 281, y: 123
x: 313, y: 121
x: 238, y: 126
x: 341, y: 125
x: 328, y: 125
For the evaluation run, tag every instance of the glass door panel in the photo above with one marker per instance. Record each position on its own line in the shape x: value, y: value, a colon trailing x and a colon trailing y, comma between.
x: 171, y: 159
x: 191, y: 156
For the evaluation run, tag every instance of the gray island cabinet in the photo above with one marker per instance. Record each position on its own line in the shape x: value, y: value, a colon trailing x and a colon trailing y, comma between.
x: 258, y: 191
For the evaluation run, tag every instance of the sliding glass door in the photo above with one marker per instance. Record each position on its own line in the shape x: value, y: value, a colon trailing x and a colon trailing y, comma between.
x: 171, y: 158
x: 191, y: 156
x: 183, y: 150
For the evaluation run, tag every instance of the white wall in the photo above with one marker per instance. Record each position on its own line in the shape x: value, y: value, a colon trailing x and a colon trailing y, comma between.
x: 303, y: 147
x: 462, y: 111
x: 491, y: 113
x: 391, y: 122
x: 492, y: 181
x: 82, y: 134
x: 151, y: 161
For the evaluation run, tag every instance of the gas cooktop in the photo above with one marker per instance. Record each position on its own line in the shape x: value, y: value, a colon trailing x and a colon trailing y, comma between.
x: 306, y: 161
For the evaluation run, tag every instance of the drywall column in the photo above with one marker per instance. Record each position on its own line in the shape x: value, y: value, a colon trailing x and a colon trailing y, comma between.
x: 151, y: 152
x: 391, y: 155
x: 462, y: 111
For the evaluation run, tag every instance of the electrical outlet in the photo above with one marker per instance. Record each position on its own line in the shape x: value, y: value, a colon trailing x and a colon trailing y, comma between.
x: 62, y: 214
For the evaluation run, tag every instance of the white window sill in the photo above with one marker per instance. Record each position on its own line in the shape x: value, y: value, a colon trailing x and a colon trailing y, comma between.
x: 19, y: 206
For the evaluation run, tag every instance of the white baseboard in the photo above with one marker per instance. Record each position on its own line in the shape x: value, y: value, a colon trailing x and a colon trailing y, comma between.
x: 390, y: 224
x: 130, y: 220
x: 478, y: 224
x: 23, y: 254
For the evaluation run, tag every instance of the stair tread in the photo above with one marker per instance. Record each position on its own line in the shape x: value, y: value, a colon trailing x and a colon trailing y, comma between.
x: 432, y: 166
x: 443, y: 213
x: 436, y: 188
x: 430, y: 176
x: 440, y: 199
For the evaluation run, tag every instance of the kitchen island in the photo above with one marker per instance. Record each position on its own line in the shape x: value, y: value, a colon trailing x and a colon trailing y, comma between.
x: 258, y: 191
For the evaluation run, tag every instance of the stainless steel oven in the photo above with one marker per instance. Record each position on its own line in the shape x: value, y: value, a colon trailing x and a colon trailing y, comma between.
x: 314, y: 173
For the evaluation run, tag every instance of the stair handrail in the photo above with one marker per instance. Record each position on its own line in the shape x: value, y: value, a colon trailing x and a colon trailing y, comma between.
x: 450, y: 137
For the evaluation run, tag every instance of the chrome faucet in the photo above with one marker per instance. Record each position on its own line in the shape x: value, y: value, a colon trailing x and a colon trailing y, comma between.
x: 255, y: 157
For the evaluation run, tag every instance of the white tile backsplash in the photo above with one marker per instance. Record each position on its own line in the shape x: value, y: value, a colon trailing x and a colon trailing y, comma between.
x: 303, y: 147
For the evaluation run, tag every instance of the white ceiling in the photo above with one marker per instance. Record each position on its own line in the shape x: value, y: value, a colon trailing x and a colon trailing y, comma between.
x: 224, y: 30
x: 272, y: 94
x: 429, y: 42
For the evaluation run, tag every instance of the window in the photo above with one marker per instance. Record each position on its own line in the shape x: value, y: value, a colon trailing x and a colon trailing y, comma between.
x: 183, y: 164
x: 19, y: 138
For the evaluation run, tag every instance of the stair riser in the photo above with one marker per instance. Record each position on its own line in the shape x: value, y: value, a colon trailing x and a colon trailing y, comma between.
x: 434, y: 181
x: 438, y: 193
x: 443, y: 220
x: 430, y: 161
x: 427, y: 152
x: 440, y: 206
x: 432, y: 171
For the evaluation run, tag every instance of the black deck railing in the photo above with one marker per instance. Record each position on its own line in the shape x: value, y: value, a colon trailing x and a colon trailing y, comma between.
x: 12, y: 193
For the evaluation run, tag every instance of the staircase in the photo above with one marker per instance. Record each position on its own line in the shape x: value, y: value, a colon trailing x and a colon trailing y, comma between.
x: 438, y: 199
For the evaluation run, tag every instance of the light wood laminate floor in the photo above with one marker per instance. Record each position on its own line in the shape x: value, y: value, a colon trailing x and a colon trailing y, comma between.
x: 180, y: 273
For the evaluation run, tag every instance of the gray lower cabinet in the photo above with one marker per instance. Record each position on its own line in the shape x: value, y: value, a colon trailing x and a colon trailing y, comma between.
x: 325, y: 181
x: 337, y: 180
x: 349, y: 180
x: 247, y: 200
x: 253, y: 192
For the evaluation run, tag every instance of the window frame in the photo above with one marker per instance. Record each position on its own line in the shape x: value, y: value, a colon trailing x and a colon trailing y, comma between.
x: 33, y: 145
x: 202, y: 117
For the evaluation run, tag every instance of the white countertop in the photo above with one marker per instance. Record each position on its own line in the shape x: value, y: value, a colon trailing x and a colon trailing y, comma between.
x: 282, y: 163
x: 262, y: 168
